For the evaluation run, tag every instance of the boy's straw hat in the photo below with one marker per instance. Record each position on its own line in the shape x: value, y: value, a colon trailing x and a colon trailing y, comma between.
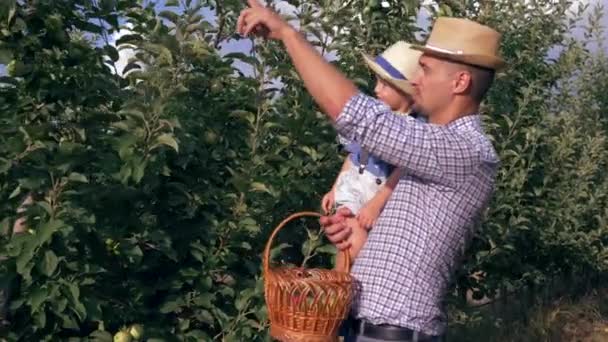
x: 396, y: 65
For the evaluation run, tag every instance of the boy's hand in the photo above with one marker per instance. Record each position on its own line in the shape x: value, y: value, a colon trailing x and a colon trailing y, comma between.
x: 368, y: 215
x: 327, y: 203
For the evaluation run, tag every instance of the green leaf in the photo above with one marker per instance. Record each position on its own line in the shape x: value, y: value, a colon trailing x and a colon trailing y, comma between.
x: 330, y: 249
x: 131, y: 66
x: 171, y: 3
x: 183, y: 324
x: 88, y: 26
x: 15, y: 192
x: 171, y: 305
x: 166, y: 139
x: 5, y: 164
x: 250, y: 225
x: 227, y: 291
x: 205, y: 316
x: 4, y: 226
x: 47, y: 229
x: 46, y: 206
x: 9, y: 80
x: 276, y: 251
x: 197, y: 335
x: 93, y: 307
x: 48, y: 264
x: 249, y: 116
x: 69, y: 323
x: 77, y: 177
x: 80, y: 310
x: 40, y: 319
x: 128, y: 39
x: 37, y: 297
x: 23, y: 259
x: 12, y: 8
x: 256, y: 186
x: 100, y: 336
x: 112, y: 52
x: 136, y: 113
x: 169, y: 15
x: 243, y: 57
x: 74, y: 291
x: 6, y: 56
x: 138, y: 171
x: 59, y: 305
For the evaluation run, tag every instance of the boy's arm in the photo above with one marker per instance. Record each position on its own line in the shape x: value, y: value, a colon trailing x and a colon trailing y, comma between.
x: 385, y: 192
x: 371, y: 211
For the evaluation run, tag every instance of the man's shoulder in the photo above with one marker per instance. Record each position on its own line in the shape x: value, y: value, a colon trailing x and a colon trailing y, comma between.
x: 484, y: 146
x: 473, y: 137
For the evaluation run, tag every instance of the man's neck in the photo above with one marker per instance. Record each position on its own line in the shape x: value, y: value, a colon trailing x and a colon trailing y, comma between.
x: 453, y: 113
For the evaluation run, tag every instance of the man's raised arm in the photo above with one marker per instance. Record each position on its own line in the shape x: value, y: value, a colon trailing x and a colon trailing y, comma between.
x: 327, y: 85
x: 421, y: 150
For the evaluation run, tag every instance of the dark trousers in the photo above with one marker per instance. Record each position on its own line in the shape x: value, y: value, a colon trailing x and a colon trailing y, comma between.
x: 347, y: 330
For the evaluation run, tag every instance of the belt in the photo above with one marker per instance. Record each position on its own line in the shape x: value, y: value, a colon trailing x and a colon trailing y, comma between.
x: 391, y: 332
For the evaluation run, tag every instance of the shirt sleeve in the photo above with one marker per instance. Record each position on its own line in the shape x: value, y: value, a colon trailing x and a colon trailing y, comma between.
x: 428, y: 151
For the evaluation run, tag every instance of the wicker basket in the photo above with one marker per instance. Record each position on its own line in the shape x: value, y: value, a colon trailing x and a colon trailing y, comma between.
x: 305, y: 305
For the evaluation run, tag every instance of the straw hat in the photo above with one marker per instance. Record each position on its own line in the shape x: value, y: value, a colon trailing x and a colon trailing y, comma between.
x: 396, y: 65
x: 464, y: 41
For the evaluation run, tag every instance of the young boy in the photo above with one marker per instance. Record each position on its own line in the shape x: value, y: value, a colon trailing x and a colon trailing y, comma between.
x: 365, y: 183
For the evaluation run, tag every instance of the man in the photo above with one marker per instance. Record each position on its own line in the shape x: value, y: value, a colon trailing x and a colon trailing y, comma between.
x: 405, y: 268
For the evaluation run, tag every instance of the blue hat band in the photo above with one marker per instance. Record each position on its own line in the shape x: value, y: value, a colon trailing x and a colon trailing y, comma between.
x: 389, y: 68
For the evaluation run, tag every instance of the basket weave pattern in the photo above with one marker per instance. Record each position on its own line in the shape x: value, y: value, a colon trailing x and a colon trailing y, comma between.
x: 305, y: 305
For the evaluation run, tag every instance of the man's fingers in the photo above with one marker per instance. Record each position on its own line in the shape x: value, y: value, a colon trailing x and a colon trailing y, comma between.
x: 330, y: 220
x: 254, y: 3
x: 240, y: 24
x: 324, y: 220
x: 254, y: 24
x: 251, y: 23
x: 335, y: 228
x: 337, y: 233
x: 342, y: 245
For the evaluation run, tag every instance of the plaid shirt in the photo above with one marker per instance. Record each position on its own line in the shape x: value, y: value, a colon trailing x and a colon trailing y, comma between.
x: 405, y: 268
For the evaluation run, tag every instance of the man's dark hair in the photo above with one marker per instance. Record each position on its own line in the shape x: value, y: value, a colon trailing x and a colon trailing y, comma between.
x: 481, y: 81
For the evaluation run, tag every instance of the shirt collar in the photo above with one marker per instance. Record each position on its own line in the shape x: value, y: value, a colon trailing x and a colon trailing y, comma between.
x: 467, y: 121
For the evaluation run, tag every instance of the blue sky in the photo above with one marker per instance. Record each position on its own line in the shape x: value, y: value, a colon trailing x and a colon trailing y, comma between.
x: 244, y: 45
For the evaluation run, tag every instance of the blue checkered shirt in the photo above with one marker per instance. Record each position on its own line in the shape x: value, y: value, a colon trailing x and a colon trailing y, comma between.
x: 406, y: 266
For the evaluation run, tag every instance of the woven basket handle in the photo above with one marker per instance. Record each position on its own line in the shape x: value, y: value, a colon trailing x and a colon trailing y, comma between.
x: 281, y: 225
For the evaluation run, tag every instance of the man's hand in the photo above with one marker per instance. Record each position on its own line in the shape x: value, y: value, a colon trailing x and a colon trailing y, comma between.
x: 328, y: 201
x: 336, y: 229
x: 260, y: 20
x: 368, y: 215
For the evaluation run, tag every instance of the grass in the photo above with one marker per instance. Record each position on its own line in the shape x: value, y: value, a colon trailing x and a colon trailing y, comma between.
x: 583, y: 319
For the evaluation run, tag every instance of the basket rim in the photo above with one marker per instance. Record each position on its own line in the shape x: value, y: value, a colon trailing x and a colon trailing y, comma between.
x: 266, y: 259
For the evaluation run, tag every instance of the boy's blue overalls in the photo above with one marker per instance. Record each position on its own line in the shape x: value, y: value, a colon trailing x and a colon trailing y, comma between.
x: 358, y: 185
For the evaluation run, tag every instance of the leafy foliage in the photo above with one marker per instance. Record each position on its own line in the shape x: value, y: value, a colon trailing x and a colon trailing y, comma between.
x: 154, y: 188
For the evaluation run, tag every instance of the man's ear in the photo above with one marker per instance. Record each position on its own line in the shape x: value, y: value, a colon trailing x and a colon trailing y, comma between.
x: 462, y: 82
